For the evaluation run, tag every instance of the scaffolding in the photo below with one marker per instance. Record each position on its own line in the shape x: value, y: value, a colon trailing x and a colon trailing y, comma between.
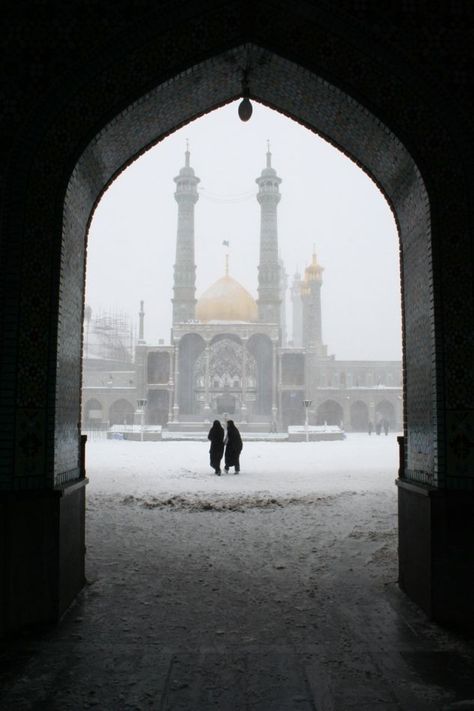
x: 109, y: 335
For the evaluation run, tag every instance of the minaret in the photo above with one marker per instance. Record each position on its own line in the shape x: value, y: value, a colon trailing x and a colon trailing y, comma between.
x: 269, y: 269
x: 140, y: 358
x: 297, y: 310
x: 141, y: 325
x: 184, y: 290
x: 311, y: 297
x: 283, y: 289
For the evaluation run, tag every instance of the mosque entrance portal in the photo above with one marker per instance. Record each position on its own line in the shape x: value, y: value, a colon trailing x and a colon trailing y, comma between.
x: 272, y: 78
x: 137, y: 93
x: 226, y: 404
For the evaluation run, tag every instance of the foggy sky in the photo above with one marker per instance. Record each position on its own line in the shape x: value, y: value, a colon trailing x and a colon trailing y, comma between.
x: 327, y: 201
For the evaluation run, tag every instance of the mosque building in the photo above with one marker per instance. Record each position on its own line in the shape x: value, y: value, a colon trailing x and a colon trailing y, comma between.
x: 229, y: 353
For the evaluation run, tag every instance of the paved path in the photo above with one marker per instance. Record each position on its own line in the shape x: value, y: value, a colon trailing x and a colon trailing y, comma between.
x: 290, y: 608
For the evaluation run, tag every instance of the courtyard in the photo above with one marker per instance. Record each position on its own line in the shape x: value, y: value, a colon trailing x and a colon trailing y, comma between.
x: 275, y: 589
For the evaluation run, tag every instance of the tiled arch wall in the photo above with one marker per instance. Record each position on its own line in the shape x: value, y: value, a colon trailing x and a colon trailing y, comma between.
x: 315, y: 103
x: 41, y: 357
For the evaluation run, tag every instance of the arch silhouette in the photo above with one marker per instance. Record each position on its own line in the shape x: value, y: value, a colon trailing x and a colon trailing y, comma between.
x: 92, y: 408
x: 121, y: 412
x: 100, y: 113
x: 330, y: 412
x: 191, y: 345
x: 280, y: 84
x: 302, y: 95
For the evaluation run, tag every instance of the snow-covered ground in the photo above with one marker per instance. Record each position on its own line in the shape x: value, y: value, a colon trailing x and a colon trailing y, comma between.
x: 274, y: 589
x: 178, y: 473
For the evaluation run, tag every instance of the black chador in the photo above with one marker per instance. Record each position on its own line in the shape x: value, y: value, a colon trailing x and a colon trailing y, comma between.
x: 216, y: 435
x: 233, y: 447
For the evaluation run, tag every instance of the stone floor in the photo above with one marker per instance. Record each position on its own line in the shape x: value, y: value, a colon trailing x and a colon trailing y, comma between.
x: 291, y: 608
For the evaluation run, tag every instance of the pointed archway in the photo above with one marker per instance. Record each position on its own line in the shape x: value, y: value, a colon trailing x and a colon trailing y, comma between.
x: 130, y: 95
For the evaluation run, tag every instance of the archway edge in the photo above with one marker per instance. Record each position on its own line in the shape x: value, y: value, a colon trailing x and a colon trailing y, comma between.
x: 142, y: 50
x: 391, y: 163
x: 99, y: 96
x: 92, y: 73
x: 321, y: 107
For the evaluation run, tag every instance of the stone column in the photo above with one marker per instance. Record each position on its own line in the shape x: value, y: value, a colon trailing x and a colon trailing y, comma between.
x: 243, y: 409
x: 280, y: 384
x: 171, y: 388
x: 176, y: 378
x: 274, y: 380
x: 141, y: 327
x: 347, y: 412
x: 207, y: 407
x: 372, y: 412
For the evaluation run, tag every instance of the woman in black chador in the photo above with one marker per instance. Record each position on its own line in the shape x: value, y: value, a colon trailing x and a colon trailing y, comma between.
x: 233, y: 447
x: 216, y: 435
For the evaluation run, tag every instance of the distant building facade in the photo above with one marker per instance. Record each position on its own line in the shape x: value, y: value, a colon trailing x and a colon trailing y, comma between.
x: 229, y: 353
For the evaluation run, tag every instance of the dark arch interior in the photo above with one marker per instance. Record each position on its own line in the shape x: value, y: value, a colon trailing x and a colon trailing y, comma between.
x: 391, y: 103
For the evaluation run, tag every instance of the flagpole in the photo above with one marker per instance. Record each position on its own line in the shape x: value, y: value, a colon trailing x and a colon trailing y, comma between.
x: 226, y: 243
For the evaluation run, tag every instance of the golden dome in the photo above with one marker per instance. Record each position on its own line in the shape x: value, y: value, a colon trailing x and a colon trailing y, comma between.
x: 314, y: 271
x: 226, y: 300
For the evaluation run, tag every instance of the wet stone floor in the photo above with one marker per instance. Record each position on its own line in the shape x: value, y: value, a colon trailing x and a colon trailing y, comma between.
x: 274, y: 608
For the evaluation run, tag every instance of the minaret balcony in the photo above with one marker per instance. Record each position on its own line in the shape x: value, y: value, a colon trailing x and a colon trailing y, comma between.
x: 268, y: 198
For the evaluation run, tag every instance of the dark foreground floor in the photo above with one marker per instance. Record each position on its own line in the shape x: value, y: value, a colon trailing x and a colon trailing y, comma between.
x: 271, y: 609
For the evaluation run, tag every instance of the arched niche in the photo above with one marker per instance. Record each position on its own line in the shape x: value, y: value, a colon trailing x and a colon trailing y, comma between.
x: 93, y: 413
x: 191, y: 345
x: 307, y: 98
x: 121, y: 412
x: 330, y: 412
x: 225, y: 335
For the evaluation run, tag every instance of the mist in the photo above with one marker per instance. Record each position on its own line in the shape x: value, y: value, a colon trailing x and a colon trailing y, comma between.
x: 328, y: 203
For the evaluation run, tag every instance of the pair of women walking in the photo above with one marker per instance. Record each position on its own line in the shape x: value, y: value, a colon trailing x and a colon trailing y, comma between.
x: 232, y: 443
